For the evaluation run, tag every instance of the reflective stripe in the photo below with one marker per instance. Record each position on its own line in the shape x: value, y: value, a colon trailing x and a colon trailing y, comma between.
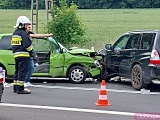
x: 103, y: 87
x: 21, y: 54
x: 20, y: 83
x: 16, y: 36
x: 15, y: 83
x: 29, y: 48
x: 103, y: 97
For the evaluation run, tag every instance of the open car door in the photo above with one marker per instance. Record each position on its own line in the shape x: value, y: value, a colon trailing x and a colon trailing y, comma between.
x: 42, y: 48
x: 56, y: 59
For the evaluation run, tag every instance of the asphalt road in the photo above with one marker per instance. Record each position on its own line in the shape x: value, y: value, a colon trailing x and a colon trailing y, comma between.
x: 61, y: 100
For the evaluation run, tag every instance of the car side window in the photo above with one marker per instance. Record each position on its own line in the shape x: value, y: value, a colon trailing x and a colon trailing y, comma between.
x: 121, y: 43
x: 133, y: 42
x: 146, y: 41
x: 5, y: 43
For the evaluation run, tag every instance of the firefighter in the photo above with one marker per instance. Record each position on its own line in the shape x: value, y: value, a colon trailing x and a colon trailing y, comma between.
x: 22, y: 51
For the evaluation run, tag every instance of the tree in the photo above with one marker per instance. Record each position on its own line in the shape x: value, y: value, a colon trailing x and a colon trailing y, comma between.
x: 84, y: 4
x: 66, y: 25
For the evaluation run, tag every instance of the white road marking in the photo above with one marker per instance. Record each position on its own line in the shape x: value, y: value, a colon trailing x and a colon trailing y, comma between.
x: 68, y: 109
x: 93, y: 89
x: 138, y: 116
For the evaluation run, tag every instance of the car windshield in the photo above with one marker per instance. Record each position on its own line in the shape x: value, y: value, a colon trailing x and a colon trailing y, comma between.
x: 121, y: 43
x: 57, y: 44
x: 64, y: 48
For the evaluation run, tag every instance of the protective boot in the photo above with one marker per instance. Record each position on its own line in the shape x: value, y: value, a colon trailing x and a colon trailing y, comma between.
x: 15, y: 86
x: 21, y: 89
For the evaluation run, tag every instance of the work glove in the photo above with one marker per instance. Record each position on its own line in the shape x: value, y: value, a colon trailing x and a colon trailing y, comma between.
x: 35, y: 56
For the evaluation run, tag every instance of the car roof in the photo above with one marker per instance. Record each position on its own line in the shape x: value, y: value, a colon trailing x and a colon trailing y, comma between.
x: 143, y: 31
x: 1, y: 35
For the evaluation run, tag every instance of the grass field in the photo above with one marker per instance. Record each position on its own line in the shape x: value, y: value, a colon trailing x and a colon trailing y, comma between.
x: 104, y: 25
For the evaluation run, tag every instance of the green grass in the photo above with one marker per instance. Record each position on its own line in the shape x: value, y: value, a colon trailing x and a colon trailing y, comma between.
x: 103, y: 25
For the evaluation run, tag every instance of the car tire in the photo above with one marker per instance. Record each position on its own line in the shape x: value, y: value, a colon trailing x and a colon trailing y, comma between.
x: 1, y: 91
x: 104, y: 73
x: 137, y: 77
x: 105, y: 76
x: 77, y: 74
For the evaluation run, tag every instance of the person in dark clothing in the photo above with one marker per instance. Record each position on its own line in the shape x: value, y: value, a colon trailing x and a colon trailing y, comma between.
x: 22, y: 51
x: 31, y: 60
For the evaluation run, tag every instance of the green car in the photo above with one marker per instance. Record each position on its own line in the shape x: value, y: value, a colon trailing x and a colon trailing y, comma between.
x: 54, y: 60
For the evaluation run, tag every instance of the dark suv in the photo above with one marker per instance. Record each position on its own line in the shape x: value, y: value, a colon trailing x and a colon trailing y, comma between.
x: 135, y: 55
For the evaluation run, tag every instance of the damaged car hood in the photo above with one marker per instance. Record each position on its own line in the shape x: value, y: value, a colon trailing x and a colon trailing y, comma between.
x: 80, y: 51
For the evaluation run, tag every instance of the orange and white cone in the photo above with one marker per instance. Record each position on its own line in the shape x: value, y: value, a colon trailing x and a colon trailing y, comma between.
x: 103, y: 99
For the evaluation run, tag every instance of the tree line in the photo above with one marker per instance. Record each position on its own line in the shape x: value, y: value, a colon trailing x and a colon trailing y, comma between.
x: 84, y: 4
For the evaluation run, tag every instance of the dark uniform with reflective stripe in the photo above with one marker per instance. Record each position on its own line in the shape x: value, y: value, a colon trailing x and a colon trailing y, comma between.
x: 21, y: 47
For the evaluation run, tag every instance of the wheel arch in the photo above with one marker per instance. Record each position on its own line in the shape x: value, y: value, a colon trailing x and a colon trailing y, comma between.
x: 135, y: 63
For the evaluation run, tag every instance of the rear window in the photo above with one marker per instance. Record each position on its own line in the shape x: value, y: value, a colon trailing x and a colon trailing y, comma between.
x: 5, y: 43
x: 157, y: 45
x: 147, y: 40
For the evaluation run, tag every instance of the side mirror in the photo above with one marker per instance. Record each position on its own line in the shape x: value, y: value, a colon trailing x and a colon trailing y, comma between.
x: 64, y: 50
x: 108, y: 46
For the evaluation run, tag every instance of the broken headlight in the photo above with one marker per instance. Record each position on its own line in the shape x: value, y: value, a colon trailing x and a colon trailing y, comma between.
x: 97, y: 64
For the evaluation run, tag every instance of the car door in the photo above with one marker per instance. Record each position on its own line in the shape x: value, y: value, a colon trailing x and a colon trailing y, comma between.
x: 113, y: 54
x: 127, y: 55
x: 56, y: 59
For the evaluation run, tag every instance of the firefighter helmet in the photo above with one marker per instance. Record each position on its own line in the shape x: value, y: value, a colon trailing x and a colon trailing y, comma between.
x: 21, y: 20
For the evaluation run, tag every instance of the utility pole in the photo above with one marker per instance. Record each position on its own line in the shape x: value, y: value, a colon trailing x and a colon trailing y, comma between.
x: 34, y: 14
x: 49, y: 6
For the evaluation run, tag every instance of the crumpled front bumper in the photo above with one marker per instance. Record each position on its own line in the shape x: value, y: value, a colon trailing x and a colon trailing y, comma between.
x: 95, y: 72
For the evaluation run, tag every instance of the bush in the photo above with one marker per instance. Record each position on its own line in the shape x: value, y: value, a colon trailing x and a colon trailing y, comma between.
x: 66, y: 25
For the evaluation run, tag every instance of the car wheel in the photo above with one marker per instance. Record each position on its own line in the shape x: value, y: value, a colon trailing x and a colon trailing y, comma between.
x: 137, y: 78
x: 77, y: 74
x: 104, y: 73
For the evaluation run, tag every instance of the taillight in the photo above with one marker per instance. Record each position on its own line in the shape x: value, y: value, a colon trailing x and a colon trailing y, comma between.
x: 154, y: 57
x: 1, y: 78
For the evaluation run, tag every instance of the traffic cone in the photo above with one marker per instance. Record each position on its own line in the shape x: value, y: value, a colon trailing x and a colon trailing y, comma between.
x: 103, y: 100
